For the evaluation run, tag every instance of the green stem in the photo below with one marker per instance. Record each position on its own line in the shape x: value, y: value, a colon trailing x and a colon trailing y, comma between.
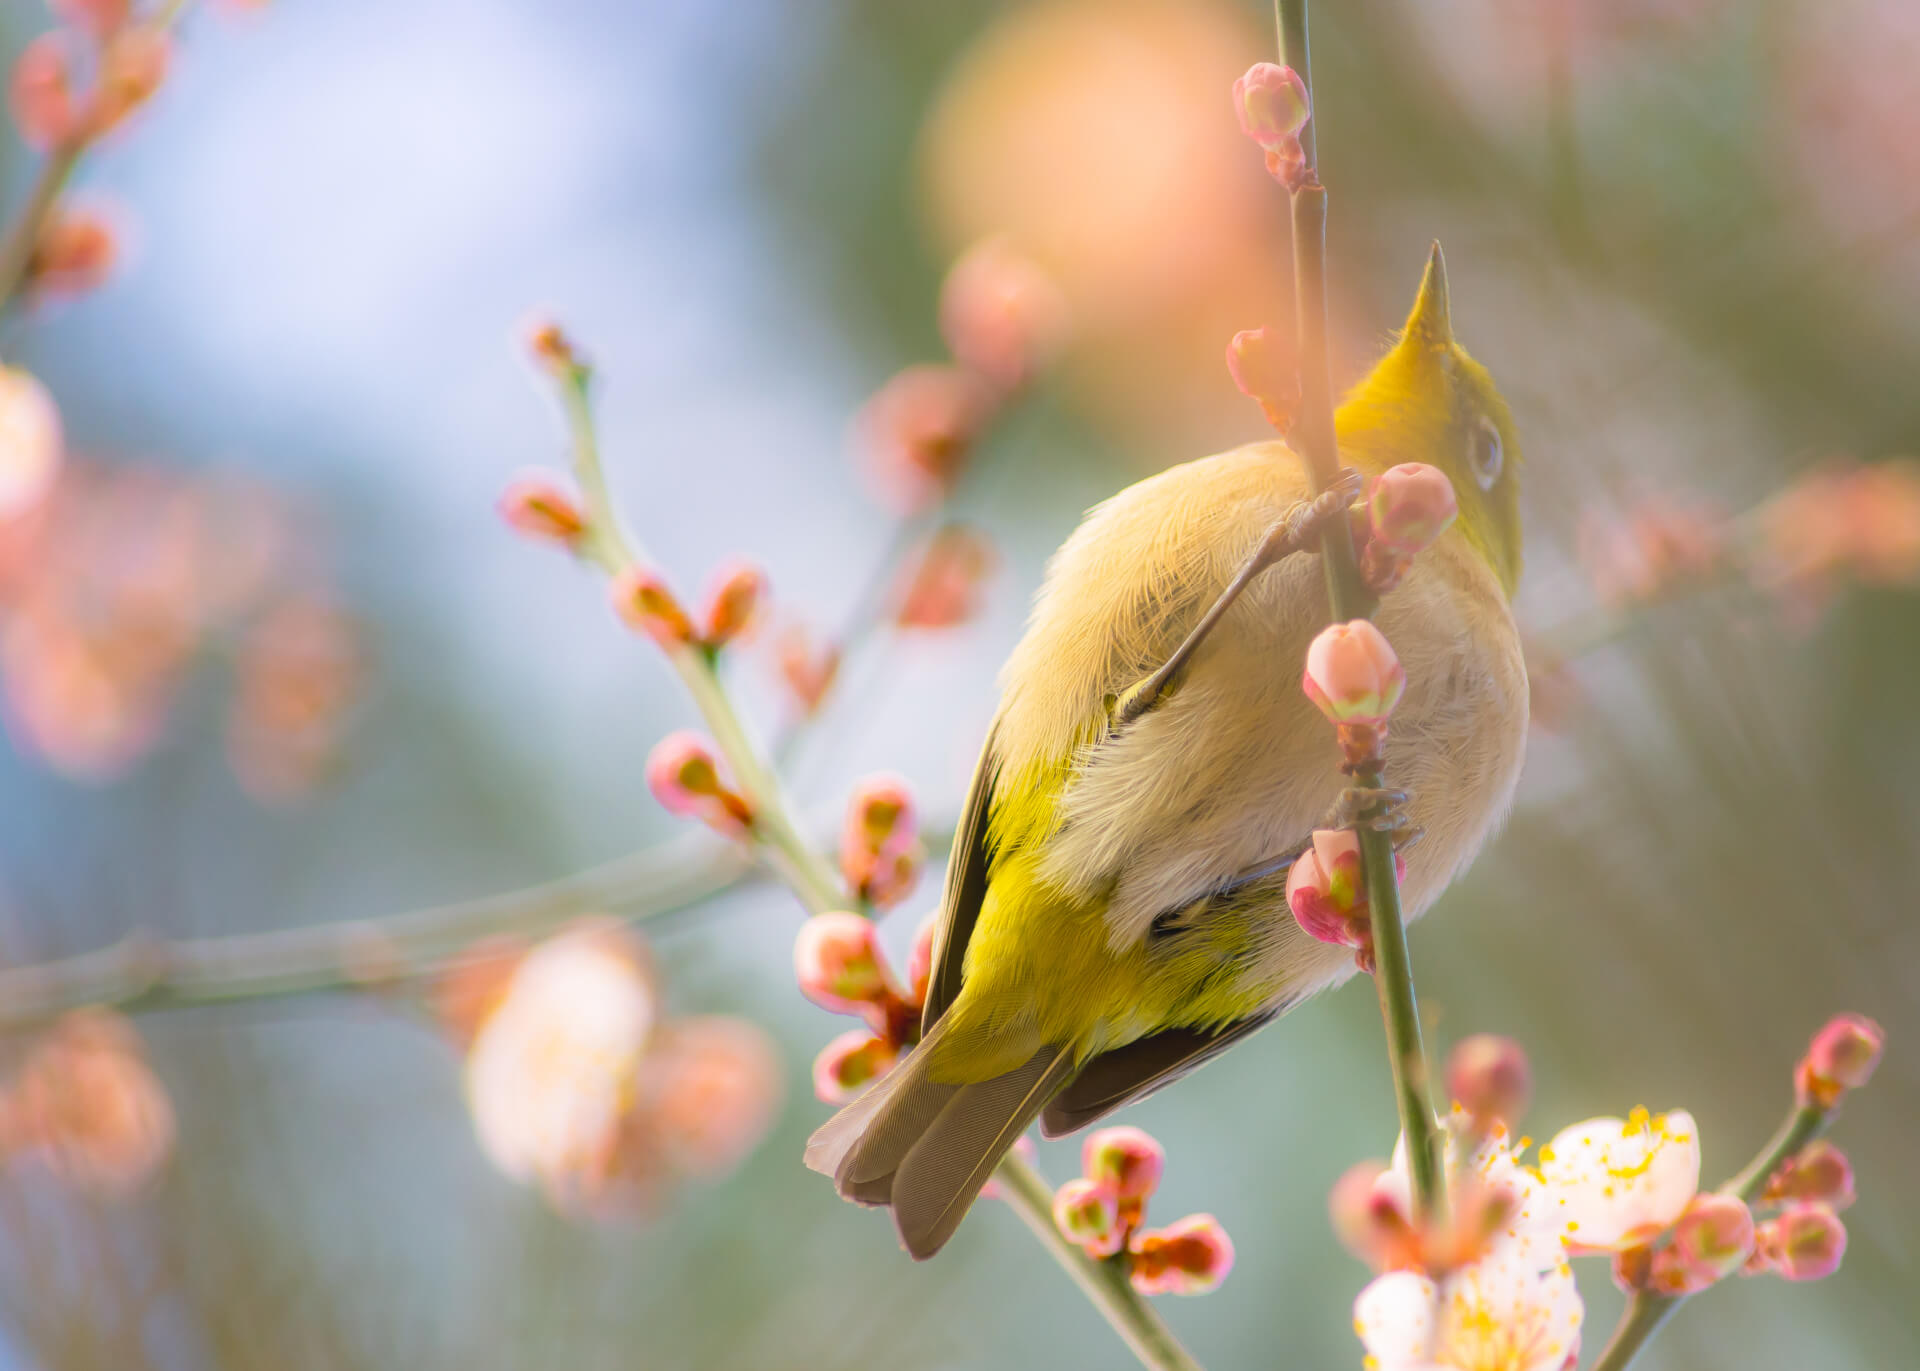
x: 1319, y: 445
x: 1646, y: 1312
x: 802, y: 867
x: 23, y: 235
x: 1105, y: 1283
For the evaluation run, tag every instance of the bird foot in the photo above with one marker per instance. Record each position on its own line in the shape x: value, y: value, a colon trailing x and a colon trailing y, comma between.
x: 1374, y: 808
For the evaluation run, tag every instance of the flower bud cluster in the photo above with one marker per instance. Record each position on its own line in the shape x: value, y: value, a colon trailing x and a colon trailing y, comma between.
x: 1104, y: 1209
x: 880, y: 849
x: 1003, y: 320
x: 840, y: 966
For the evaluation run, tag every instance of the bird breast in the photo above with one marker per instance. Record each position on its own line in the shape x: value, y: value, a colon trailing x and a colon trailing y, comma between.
x: 1236, y: 766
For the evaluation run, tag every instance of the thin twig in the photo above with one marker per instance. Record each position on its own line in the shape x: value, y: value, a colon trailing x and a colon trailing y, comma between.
x: 142, y: 972
x: 1393, y: 976
x: 609, y: 545
x: 819, y: 888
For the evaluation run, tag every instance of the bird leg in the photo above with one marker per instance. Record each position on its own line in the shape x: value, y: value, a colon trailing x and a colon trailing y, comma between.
x: 1296, y: 533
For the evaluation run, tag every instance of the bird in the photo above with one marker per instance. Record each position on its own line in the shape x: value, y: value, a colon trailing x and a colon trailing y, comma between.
x: 1114, y: 913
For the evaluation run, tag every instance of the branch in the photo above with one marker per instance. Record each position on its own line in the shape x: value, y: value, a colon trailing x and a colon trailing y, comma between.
x: 819, y: 888
x: 142, y: 972
x: 1393, y: 976
x: 609, y: 546
x: 1646, y: 1313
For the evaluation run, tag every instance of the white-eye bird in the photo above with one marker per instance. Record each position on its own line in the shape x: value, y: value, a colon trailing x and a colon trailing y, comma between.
x: 1114, y: 912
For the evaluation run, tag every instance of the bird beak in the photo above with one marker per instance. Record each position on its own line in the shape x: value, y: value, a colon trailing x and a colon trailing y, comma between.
x: 1431, y: 323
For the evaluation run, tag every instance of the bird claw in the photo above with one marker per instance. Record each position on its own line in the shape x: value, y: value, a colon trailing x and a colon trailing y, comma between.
x: 1375, y: 809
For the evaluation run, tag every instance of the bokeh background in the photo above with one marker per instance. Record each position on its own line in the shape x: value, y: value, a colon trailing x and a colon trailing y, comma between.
x: 1683, y: 234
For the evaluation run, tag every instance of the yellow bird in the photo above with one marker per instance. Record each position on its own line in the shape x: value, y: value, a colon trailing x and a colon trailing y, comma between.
x: 1114, y: 913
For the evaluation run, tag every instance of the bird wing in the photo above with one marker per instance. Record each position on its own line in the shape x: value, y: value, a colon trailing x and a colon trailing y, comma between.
x: 1133, y: 1072
x: 966, y: 888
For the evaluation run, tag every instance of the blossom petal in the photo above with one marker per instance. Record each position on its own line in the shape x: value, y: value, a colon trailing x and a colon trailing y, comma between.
x: 1614, y: 1183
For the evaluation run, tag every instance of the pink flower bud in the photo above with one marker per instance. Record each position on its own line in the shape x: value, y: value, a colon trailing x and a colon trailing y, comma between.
x: 96, y: 18
x: 1711, y: 1240
x: 919, y: 430
x: 1370, y: 1223
x: 132, y: 66
x: 850, y: 1063
x: 646, y: 603
x: 1001, y: 314
x: 552, y: 349
x: 1819, y: 1173
x: 805, y: 667
x: 74, y: 253
x: 1489, y: 1077
x: 1353, y: 675
x: 1805, y: 1243
x: 1272, y: 104
x: 715, y: 1086
x: 1326, y: 890
x: 42, y: 92
x: 880, y: 852
x: 1265, y: 368
x: 86, y: 1105
x: 920, y: 962
x: 537, y: 507
x: 685, y: 777
x: 1189, y: 1257
x: 836, y: 958
x: 943, y: 586
x: 1411, y: 506
x: 1088, y: 1214
x: 1841, y: 1057
x: 733, y: 598
x: 1124, y: 1161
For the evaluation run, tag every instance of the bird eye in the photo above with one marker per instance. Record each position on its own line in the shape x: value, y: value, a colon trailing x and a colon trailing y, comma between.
x: 1487, y: 455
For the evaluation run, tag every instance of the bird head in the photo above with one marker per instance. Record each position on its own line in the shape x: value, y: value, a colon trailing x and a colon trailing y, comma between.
x: 1428, y: 401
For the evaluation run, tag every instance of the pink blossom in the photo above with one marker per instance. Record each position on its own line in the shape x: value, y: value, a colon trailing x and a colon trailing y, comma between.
x: 1125, y: 1161
x: 1411, y: 506
x: 836, y: 959
x: 96, y: 18
x: 1271, y: 102
x: 920, y: 961
x: 1711, y: 1240
x: 880, y: 850
x: 711, y: 1088
x: 1188, y: 1257
x: 88, y: 1107
x: 943, y: 586
x: 918, y: 431
x: 732, y: 601
x: 645, y: 603
x: 1326, y: 891
x: 536, y: 506
x: 1805, y: 1243
x: 41, y: 92
x: 1087, y: 1213
x: 1488, y: 1076
x: 807, y: 668
x: 685, y: 777
x: 1001, y: 314
x: 74, y: 253
x: 1265, y: 367
x: 132, y: 66
x: 1819, y: 1172
x: 1353, y: 675
x: 1500, y: 1314
x: 849, y: 1063
x: 1842, y: 1057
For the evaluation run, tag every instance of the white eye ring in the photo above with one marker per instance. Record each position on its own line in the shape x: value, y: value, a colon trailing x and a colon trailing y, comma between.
x: 1487, y: 457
